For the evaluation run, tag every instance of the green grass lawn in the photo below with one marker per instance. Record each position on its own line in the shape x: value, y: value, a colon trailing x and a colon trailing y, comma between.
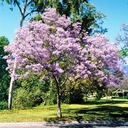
x: 101, y: 110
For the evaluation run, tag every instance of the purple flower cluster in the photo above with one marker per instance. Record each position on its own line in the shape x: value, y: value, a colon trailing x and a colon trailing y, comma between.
x: 55, y: 47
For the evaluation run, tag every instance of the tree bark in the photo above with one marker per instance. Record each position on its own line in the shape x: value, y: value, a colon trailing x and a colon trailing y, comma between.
x: 21, y: 21
x: 11, y: 87
x: 59, y: 113
x: 10, y: 94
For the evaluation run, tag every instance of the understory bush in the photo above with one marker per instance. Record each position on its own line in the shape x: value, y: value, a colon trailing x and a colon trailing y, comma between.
x: 24, y: 98
x: 3, y: 105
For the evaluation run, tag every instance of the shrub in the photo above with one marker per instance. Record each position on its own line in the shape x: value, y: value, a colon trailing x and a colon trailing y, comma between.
x: 3, y: 105
x: 24, y: 98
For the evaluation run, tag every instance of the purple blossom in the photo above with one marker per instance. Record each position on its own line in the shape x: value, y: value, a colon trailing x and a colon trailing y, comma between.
x: 53, y: 48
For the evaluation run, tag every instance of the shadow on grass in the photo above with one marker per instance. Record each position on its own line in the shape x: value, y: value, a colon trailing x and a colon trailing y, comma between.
x: 115, y: 115
x: 99, y: 102
x: 99, y: 113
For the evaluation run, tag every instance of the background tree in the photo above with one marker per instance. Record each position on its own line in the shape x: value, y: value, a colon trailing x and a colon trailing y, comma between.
x: 4, y: 74
x: 123, y: 40
x: 78, y: 10
x: 26, y: 7
x: 84, y: 12
x: 54, y: 50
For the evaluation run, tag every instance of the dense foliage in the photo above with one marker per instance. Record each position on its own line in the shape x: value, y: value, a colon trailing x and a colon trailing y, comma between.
x: 59, y: 50
x: 4, y: 75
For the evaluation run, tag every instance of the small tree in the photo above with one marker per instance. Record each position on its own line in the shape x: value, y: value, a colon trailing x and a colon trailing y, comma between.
x: 59, y: 50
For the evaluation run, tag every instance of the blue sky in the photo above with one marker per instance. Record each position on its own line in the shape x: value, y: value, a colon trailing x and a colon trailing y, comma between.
x: 9, y: 21
x: 116, y: 11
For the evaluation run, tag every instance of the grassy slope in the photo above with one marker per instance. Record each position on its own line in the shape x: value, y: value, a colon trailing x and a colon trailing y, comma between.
x: 103, y: 110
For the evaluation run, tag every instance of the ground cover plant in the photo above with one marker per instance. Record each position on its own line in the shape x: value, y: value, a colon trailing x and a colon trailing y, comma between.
x: 92, y: 110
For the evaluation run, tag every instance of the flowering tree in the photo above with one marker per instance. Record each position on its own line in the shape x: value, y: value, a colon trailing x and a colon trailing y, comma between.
x: 123, y: 40
x: 56, y: 48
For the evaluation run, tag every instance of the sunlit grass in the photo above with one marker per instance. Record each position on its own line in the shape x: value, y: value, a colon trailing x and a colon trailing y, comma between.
x: 102, y: 110
x: 29, y: 115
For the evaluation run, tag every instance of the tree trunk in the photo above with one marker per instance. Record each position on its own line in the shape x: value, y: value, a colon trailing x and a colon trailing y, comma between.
x: 11, y: 87
x: 22, y: 19
x: 10, y: 94
x: 59, y: 113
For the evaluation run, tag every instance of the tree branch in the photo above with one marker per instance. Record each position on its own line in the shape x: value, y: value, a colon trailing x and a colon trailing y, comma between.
x: 18, y: 5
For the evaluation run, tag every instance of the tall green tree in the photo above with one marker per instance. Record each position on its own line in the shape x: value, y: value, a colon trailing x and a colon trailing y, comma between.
x: 4, y: 75
x: 78, y: 10
x: 84, y: 12
x: 26, y: 7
